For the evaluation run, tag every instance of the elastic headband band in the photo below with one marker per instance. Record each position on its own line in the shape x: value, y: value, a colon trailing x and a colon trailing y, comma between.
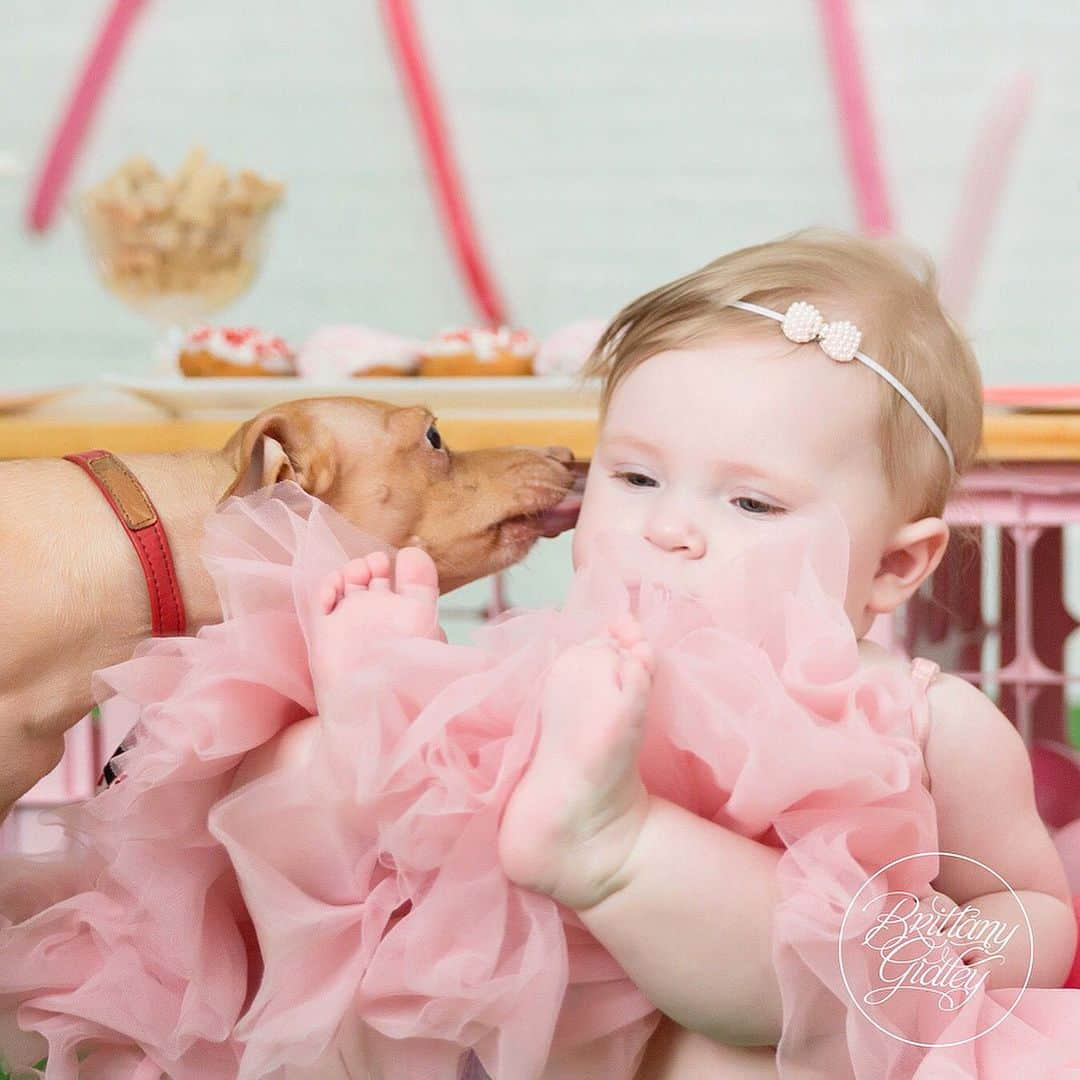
x: 840, y: 341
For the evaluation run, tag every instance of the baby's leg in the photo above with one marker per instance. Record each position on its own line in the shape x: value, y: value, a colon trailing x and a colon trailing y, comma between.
x: 289, y: 749
x: 675, y: 1053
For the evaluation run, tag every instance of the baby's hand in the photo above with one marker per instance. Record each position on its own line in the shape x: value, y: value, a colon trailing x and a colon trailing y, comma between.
x: 358, y: 602
x: 576, y: 813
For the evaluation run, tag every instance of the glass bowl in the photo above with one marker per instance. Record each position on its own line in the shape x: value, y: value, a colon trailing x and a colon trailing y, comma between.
x: 174, y: 264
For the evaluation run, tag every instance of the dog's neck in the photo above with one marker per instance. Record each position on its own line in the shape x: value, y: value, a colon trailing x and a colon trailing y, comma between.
x: 185, y: 489
x: 71, y: 571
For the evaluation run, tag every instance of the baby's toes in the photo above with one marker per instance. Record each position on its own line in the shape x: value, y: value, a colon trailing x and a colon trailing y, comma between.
x: 379, y: 563
x: 589, y: 663
x: 626, y: 630
x: 635, y: 676
x: 416, y: 576
x: 330, y: 592
x: 357, y: 572
x: 643, y: 650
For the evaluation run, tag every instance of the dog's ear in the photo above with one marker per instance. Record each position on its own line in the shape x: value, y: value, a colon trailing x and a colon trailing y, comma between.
x: 282, y: 443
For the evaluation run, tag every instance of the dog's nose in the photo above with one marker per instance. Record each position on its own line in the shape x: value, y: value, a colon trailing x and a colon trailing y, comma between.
x: 560, y: 453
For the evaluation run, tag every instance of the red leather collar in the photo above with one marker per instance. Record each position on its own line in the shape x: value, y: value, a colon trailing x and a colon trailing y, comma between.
x: 140, y: 520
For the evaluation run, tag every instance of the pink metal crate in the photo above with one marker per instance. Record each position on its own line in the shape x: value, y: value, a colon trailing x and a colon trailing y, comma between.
x: 1012, y: 644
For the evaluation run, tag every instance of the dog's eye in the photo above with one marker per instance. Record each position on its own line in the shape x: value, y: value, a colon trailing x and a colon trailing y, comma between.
x: 434, y: 437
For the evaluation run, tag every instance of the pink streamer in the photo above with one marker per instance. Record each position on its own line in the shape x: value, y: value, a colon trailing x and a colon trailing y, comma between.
x: 51, y: 182
x: 415, y: 75
x: 856, y: 125
x: 980, y: 195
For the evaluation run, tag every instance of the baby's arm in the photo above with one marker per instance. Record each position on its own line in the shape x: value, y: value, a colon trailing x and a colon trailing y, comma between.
x: 981, y: 780
x: 697, y: 892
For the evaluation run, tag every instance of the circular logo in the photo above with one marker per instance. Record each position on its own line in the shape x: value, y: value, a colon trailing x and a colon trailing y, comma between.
x: 923, y: 945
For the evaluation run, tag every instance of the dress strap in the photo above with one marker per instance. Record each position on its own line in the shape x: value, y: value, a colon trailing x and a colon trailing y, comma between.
x: 922, y: 675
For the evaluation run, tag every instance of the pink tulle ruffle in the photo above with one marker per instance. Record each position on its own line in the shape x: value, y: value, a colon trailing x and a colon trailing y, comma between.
x: 348, y: 917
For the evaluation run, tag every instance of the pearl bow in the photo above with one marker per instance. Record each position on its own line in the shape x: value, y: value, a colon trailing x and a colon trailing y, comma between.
x: 803, y: 322
x: 840, y: 341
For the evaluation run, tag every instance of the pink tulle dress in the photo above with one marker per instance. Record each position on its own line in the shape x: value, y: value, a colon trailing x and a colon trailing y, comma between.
x: 349, y: 918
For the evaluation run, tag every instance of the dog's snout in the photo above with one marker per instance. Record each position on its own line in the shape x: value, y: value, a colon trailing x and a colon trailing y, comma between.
x: 560, y: 453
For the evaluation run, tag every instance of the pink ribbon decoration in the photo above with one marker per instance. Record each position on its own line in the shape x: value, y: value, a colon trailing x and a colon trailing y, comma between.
x: 52, y: 180
x: 856, y: 125
x: 980, y: 194
x: 442, y: 172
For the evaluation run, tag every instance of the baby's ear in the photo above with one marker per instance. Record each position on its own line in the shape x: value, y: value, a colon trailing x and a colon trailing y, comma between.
x: 283, y: 443
x: 912, y: 555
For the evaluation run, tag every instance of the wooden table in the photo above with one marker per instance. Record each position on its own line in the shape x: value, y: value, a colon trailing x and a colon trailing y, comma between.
x: 1013, y: 444
x: 1028, y: 437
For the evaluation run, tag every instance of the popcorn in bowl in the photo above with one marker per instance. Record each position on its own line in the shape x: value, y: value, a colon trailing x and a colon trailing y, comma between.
x: 182, y: 246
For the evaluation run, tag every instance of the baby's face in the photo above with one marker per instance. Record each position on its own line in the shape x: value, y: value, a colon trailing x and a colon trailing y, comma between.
x: 704, y: 449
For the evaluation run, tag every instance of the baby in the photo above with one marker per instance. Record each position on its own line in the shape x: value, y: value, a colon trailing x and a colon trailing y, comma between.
x: 724, y: 410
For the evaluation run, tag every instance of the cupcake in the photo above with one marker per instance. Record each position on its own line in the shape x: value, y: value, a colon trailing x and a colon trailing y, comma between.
x: 344, y: 352
x: 479, y: 352
x: 218, y: 350
x: 565, y: 350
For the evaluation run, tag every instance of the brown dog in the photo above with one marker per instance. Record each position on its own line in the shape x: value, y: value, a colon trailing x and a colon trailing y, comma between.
x: 73, y: 598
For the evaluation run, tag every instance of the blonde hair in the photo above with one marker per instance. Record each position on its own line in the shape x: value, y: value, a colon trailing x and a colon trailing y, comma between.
x: 886, y: 287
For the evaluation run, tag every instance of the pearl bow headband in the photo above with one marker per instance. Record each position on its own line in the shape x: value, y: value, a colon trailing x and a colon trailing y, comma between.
x: 802, y: 322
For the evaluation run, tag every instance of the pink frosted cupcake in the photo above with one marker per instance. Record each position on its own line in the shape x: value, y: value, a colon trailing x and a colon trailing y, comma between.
x: 345, y: 352
x: 479, y: 352
x: 564, y: 351
x: 241, y: 351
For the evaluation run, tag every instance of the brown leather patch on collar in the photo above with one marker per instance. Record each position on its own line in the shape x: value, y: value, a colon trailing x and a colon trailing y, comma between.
x: 132, y: 501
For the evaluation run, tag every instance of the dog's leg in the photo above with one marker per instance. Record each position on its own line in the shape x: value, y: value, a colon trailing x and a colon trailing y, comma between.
x: 24, y: 760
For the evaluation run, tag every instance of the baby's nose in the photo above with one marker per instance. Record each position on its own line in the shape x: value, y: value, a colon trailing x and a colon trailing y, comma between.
x: 677, y: 535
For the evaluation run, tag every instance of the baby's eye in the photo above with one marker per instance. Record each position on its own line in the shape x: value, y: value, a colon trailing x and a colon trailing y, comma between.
x: 632, y: 477
x: 756, y: 506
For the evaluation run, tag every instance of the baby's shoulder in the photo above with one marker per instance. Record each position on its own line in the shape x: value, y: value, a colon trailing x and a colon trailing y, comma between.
x: 872, y: 655
x: 964, y: 725
x: 972, y: 747
x: 960, y: 711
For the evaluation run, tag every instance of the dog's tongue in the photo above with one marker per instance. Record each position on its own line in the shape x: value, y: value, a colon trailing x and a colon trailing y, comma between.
x: 564, y: 514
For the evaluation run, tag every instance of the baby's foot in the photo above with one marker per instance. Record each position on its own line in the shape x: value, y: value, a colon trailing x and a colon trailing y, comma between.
x: 358, y: 602
x: 576, y: 813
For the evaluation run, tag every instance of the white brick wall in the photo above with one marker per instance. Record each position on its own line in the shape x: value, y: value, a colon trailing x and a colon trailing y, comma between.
x: 606, y: 147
